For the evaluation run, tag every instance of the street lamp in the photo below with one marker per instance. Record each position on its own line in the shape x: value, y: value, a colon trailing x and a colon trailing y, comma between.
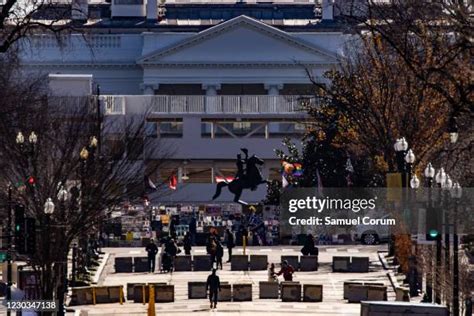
x: 62, y: 194
x: 414, y: 182
x: 453, y: 130
x: 440, y: 177
x: 49, y: 207
x: 84, y: 154
x: 20, y: 139
x: 93, y: 142
x: 33, y: 138
x: 456, y: 194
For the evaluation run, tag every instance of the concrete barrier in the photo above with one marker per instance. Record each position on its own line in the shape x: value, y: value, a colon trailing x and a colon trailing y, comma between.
x: 242, y: 292
x: 402, y: 294
x: 258, y: 262
x: 197, y: 290
x: 292, y: 260
x: 268, y: 290
x: 341, y: 264
x: 312, y: 293
x: 346, y: 288
x: 360, y: 264
x: 123, y: 264
x: 130, y: 287
x: 140, y: 264
x: 81, y: 296
x: 290, y: 291
x: 202, y: 263
x: 225, y: 295
x: 141, y: 293
x: 376, y: 293
x: 183, y: 263
x: 239, y: 263
x: 164, y: 293
x: 309, y: 263
x: 357, y: 293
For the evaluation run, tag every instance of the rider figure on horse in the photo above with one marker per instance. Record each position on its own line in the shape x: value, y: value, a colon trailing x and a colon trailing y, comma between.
x: 242, y: 172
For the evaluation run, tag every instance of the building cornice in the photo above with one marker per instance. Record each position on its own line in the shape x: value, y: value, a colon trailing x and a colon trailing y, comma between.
x: 230, y: 64
x: 79, y: 65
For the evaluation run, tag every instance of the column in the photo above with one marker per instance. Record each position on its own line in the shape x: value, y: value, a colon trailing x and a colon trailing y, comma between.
x: 273, y: 88
x: 149, y: 88
x: 211, y: 88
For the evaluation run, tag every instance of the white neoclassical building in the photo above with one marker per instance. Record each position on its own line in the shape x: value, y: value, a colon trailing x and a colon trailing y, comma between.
x: 215, y: 76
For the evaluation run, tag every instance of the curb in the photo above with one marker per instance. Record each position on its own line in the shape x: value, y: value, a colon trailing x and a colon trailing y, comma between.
x: 100, y: 269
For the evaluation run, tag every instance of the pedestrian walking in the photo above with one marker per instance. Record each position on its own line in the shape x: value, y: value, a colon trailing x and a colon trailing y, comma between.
x: 287, y: 270
x: 151, y: 250
x: 211, y: 248
x: 213, y: 285
x: 219, y: 254
x: 187, y: 244
x: 230, y: 242
x: 272, y: 276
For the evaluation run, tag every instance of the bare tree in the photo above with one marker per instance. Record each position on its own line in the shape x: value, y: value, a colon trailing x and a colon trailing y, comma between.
x: 57, y: 160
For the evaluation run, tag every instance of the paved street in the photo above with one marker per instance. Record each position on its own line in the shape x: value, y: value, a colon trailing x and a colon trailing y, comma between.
x: 332, y: 304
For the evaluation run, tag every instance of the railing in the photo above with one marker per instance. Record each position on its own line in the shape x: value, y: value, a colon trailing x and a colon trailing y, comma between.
x: 225, y: 104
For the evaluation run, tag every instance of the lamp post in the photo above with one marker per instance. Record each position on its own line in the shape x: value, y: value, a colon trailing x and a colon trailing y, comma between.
x: 440, y: 178
x: 401, y: 147
x: 453, y: 130
x: 456, y: 193
x: 9, y: 244
x: 429, y: 174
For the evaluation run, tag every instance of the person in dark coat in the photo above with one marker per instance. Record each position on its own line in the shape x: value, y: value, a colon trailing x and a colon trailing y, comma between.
x: 211, y: 248
x: 151, y: 250
x: 219, y: 254
x: 309, y: 248
x: 187, y: 244
x: 193, y: 230
x: 230, y: 242
x: 213, y: 284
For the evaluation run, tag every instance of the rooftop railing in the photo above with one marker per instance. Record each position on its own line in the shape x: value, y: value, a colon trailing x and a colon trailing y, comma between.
x: 224, y: 104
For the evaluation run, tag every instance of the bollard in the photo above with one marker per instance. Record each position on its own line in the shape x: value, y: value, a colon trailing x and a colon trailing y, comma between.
x: 143, y: 295
x: 244, y: 244
x: 151, y: 301
x: 121, y: 295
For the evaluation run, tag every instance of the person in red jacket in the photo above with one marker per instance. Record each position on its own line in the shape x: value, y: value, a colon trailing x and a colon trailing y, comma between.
x: 287, y: 270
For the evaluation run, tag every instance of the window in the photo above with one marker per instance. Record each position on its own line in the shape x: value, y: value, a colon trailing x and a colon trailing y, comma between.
x: 151, y: 129
x: 241, y: 128
x: 206, y: 129
x: 278, y: 129
x: 171, y: 129
x: 128, y: 2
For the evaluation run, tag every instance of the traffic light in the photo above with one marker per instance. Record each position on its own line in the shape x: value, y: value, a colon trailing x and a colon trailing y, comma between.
x: 30, y: 235
x: 433, y: 225
x: 19, y: 229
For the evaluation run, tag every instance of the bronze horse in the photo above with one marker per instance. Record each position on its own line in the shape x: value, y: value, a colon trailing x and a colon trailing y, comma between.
x: 250, y: 180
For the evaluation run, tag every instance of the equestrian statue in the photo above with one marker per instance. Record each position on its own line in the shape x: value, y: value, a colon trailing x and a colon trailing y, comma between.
x: 248, y: 176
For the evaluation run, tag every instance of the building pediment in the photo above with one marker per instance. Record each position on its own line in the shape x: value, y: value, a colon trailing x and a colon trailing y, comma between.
x: 241, y: 40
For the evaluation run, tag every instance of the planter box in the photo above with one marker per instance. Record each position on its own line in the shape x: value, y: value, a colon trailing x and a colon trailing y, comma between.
x: 183, y: 263
x: 309, y: 263
x: 292, y: 260
x: 242, y: 292
x: 357, y: 293
x: 130, y: 291
x: 197, y: 290
x: 268, y: 290
x: 225, y: 295
x: 290, y: 291
x: 123, y: 265
x: 81, y: 296
x: 402, y: 309
x: 346, y: 288
x: 239, y: 263
x: 312, y: 293
x: 376, y: 293
x: 258, y: 262
x: 341, y: 264
x: 164, y: 293
x: 360, y: 264
x: 202, y: 263
x: 140, y: 264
